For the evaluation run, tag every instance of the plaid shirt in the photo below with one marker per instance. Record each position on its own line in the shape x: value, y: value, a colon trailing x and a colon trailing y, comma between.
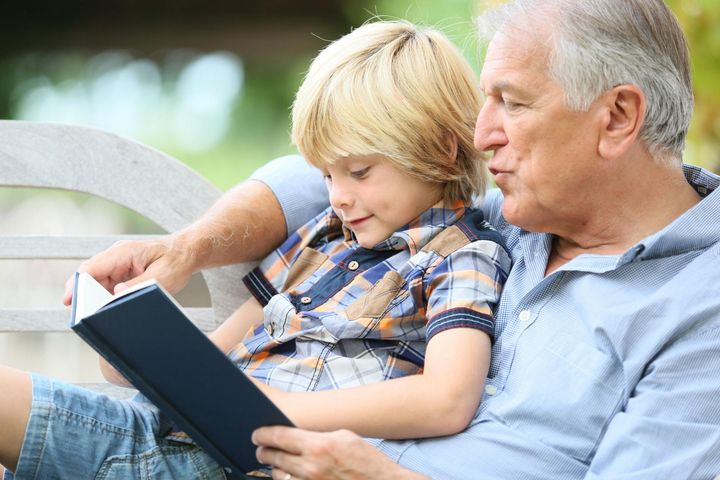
x: 350, y: 316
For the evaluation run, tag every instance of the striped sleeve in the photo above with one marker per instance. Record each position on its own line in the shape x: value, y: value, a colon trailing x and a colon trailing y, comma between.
x: 259, y: 286
x: 463, y: 289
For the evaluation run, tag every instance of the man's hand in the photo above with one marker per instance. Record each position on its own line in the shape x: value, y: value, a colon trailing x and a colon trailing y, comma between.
x: 129, y: 262
x: 245, y: 224
x: 307, y: 455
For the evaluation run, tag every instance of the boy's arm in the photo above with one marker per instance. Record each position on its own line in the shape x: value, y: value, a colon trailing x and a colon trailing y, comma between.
x: 234, y: 329
x: 440, y: 401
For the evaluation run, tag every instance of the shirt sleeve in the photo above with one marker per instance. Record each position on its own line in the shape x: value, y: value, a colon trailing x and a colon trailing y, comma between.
x: 464, y: 288
x: 299, y: 188
x: 670, y: 427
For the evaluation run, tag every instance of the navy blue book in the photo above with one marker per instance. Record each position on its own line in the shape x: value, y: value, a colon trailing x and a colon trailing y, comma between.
x: 146, y: 336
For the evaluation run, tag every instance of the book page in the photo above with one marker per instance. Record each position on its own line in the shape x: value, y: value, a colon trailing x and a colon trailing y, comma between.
x: 91, y: 296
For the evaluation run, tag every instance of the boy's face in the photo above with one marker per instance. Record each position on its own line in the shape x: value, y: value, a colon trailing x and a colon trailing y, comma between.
x: 374, y: 198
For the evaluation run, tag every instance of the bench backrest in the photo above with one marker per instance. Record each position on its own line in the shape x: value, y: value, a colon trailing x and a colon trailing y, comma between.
x: 111, y: 167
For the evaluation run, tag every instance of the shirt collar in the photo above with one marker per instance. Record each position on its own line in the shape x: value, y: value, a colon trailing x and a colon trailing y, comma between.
x: 417, y: 233
x: 696, y: 229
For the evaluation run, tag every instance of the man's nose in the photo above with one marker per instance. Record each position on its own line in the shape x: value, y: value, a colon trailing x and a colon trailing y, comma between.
x: 489, y: 133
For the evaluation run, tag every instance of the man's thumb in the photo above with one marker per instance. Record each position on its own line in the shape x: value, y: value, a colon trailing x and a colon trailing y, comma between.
x: 120, y: 287
x: 129, y: 283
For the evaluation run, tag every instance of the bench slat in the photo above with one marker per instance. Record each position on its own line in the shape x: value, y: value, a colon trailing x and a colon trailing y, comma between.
x: 56, y: 319
x: 57, y: 247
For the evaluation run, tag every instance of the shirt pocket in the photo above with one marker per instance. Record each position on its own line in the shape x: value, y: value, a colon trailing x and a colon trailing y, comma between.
x: 303, y: 267
x: 564, y: 395
x: 372, y: 305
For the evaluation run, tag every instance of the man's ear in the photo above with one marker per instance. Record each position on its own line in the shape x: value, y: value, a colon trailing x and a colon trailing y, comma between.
x: 451, y: 142
x: 624, y: 108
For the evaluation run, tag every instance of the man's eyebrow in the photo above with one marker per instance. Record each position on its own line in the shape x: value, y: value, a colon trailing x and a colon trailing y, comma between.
x: 504, y: 86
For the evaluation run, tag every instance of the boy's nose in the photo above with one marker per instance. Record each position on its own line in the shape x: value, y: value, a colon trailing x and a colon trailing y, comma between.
x: 340, y: 197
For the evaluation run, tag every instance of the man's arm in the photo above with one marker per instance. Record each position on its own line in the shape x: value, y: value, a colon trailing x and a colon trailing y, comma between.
x: 242, y: 225
x: 339, y: 455
x: 246, y: 223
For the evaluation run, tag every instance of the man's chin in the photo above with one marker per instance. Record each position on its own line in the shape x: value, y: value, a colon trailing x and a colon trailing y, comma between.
x: 513, y: 214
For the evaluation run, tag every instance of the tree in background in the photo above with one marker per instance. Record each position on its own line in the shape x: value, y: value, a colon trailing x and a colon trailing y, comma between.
x: 700, y: 20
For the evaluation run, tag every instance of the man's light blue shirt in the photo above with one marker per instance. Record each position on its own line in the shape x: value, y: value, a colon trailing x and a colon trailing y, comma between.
x: 607, y: 368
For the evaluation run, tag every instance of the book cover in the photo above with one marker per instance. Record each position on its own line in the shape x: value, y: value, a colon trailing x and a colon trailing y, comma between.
x: 145, y: 335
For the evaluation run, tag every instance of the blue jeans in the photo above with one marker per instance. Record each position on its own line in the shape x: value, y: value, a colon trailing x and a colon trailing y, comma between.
x: 74, y: 433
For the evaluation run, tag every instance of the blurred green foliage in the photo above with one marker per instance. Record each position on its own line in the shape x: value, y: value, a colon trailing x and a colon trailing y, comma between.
x: 259, y: 127
x: 262, y: 125
x: 700, y: 20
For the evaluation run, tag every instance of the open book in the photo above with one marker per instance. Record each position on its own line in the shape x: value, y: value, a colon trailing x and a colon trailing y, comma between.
x: 145, y: 335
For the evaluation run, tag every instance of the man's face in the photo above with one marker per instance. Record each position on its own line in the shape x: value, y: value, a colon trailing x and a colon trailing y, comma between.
x: 544, y: 155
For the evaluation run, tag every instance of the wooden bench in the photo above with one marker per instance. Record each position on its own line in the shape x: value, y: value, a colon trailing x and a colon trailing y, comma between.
x: 149, y: 182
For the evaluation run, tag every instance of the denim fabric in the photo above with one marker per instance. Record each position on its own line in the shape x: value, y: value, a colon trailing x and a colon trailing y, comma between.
x: 74, y: 434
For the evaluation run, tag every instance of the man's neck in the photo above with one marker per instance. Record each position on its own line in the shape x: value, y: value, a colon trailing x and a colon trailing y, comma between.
x: 642, y: 207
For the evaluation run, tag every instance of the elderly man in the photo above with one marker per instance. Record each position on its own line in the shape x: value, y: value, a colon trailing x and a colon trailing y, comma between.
x: 606, y: 362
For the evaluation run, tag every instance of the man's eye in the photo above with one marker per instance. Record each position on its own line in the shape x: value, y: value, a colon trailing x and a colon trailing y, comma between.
x: 359, y: 173
x: 510, y: 105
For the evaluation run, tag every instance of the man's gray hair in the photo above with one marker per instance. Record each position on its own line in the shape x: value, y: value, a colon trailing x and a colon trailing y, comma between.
x: 599, y: 44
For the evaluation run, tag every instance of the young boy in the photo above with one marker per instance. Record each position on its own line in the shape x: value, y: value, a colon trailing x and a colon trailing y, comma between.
x: 384, y: 323
x: 397, y: 280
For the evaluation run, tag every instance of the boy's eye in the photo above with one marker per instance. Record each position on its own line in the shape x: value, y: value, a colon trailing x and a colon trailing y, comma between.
x: 359, y: 173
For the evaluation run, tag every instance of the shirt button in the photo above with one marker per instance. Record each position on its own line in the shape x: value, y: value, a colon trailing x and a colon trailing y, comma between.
x: 305, y: 300
x: 525, y: 315
x: 353, y: 265
x: 490, y: 389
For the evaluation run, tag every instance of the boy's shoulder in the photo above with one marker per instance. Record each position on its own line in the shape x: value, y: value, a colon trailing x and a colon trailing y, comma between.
x: 471, y: 227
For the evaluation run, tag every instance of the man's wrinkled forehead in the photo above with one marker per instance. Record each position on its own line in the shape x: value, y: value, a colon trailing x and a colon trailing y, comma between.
x: 527, y: 24
x: 514, y: 53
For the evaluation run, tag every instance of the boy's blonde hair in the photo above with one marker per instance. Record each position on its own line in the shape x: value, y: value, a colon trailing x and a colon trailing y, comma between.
x: 394, y: 89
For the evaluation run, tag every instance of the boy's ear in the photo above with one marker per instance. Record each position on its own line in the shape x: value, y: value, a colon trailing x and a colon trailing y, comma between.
x: 451, y: 142
x: 624, y: 112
